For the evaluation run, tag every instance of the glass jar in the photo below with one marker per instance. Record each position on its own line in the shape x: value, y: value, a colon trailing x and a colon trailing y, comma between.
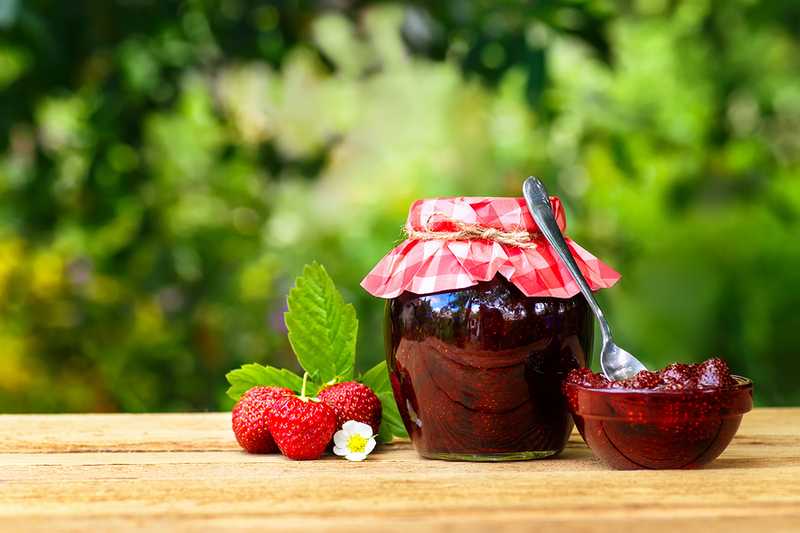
x: 482, y: 325
x: 477, y: 372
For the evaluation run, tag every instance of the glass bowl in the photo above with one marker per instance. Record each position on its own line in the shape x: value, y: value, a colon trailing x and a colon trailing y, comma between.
x: 658, y: 429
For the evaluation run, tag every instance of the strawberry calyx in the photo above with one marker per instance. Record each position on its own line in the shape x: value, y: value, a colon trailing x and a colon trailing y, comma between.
x: 303, y: 396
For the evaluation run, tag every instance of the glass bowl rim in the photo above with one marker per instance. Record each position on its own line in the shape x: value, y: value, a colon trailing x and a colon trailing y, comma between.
x: 743, y: 384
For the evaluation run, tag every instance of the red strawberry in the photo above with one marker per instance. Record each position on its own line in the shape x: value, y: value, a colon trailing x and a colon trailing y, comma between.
x: 353, y: 401
x: 249, y: 418
x: 302, y: 427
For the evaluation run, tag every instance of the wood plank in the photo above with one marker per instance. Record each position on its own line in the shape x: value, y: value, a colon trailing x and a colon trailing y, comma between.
x: 211, y: 431
x: 116, y: 432
x: 184, y: 472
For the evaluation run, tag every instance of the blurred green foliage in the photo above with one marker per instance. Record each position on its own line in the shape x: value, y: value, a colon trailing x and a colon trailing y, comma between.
x: 167, y: 167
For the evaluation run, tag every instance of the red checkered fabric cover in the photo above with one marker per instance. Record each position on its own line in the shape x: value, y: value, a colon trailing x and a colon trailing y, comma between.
x: 426, y: 266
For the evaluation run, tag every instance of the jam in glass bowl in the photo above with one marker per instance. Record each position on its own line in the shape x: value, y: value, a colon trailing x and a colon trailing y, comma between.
x: 477, y: 372
x: 681, y: 417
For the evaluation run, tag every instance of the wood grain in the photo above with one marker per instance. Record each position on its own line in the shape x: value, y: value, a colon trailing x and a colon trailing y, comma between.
x: 185, y: 472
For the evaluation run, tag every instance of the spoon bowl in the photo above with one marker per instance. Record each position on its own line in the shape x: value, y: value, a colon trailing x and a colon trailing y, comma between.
x: 616, y: 363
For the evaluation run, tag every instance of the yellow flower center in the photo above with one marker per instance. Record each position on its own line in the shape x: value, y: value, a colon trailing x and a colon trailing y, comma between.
x: 356, y: 443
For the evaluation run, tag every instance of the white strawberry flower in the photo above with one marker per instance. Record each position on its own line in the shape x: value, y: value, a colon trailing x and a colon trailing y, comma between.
x: 354, y: 441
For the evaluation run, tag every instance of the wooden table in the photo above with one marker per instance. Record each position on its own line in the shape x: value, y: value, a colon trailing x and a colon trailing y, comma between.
x: 185, y: 472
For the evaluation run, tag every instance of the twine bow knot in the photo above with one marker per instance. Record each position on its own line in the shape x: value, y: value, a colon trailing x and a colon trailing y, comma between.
x: 468, y: 232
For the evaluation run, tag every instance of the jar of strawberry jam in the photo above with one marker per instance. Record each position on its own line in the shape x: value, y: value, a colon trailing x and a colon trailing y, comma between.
x: 482, y: 325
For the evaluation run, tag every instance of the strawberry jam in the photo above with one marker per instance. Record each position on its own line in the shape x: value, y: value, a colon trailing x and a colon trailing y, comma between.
x: 477, y: 372
x: 710, y: 374
x: 683, y: 416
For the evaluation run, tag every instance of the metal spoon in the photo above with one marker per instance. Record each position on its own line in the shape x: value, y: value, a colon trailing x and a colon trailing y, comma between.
x: 615, y: 362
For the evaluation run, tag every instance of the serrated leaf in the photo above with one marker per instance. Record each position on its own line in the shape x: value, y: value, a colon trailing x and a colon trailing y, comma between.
x: 385, y: 435
x: 253, y: 375
x: 377, y: 378
x: 322, y: 327
x: 391, y: 422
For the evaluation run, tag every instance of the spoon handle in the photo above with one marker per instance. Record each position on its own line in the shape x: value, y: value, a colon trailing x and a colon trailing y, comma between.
x: 539, y: 205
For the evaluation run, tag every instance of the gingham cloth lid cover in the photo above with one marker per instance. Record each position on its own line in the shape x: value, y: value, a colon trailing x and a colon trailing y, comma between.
x: 427, y: 266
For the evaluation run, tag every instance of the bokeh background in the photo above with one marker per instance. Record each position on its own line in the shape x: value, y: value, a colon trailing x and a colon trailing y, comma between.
x: 166, y: 168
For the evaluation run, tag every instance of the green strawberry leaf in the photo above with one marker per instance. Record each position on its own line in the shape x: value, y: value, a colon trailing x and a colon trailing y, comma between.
x: 385, y: 435
x: 391, y: 422
x: 322, y: 328
x: 253, y: 375
x: 377, y: 378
